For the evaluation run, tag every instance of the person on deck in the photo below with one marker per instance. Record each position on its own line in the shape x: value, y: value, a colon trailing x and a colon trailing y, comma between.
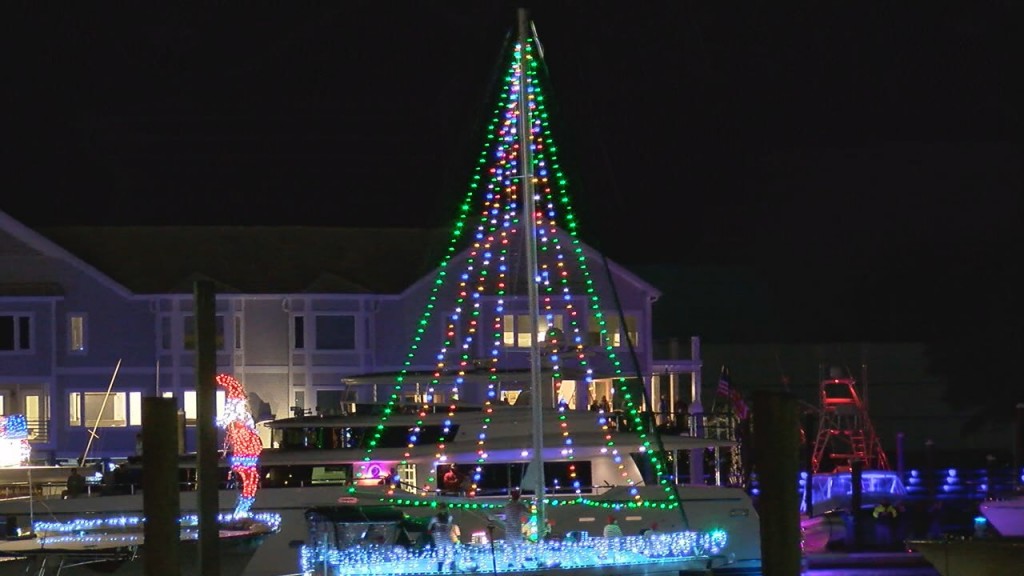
x: 445, y: 535
x: 612, y: 528
x: 885, y: 524
x: 76, y: 484
x: 450, y: 480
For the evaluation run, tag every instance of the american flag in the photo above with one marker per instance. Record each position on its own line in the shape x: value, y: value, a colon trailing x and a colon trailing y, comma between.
x: 739, y: 405
x: 724, y: 385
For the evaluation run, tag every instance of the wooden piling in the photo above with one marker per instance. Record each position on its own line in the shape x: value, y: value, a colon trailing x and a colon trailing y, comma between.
x: 160, y: 501
x: 777, y: 443
x: 208, y: 478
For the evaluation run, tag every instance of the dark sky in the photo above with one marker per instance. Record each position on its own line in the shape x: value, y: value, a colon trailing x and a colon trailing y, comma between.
x: 818, y: 143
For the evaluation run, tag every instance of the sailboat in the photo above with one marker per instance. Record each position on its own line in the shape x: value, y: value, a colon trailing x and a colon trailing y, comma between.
x: 484, y: 415
x: 531, y: 338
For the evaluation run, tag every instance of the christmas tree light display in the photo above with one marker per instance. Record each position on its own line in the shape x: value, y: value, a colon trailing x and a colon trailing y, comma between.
x: 242, y: 441
x: 476, y: 297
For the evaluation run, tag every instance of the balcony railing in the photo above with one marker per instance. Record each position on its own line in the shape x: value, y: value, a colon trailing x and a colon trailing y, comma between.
x: 38, y: 430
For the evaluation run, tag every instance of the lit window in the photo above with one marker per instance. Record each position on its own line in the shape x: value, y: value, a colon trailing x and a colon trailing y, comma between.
x: 191, y: 405
x: 98, y: 409
x: 135, y: 408
x: 613, y: 334
x: 76, y: 333
x: 516, y: 329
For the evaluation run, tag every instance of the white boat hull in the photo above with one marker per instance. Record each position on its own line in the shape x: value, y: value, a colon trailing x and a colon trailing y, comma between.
x: 1006, y: 516
x: 29, y: 556
x: 973, y: 557
x: 706, y: 508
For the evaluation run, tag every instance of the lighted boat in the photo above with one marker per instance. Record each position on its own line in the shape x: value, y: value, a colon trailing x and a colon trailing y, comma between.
x: 349, y: 540
x: 579, y: 465
x: 831, y: 504
x: 504, y: 409
x: 117, y: 545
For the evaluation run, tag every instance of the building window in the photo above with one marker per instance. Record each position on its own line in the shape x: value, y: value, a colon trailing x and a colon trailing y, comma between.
x: 299, y: 332
x: 191, y: 405
x: 102, y: 410
x: 190, y: 332
x: 517, y: 328
x: 15, y: 333
x: 238, y: 332
x: 166, y: 334
x: 613, y: 334
x: 335, y: 332
x: 76, y: 333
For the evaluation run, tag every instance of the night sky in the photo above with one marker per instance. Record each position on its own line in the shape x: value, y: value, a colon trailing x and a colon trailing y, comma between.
x: 857, y: 166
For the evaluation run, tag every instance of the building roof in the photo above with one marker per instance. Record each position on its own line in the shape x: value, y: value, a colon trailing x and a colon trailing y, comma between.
x: 168, y: 259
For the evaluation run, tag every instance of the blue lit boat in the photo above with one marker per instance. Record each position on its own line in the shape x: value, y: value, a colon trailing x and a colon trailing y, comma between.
x: 117, y: 545
x: 831, y: 502
x: 358, y: 540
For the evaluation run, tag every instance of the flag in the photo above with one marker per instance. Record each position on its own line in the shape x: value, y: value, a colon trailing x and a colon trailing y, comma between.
x: 724, y: 385
x: 739, y: 406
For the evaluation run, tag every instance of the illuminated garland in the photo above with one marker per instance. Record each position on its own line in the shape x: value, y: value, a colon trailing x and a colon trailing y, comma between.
x: 15, y: 449
x: 481, y: 284
x: 87, y: 527
x: 430, y: 502
x: 593, y: 552
x: 241, y: 439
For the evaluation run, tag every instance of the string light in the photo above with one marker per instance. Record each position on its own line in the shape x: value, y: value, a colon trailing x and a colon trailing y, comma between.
x: 468, y: 298
x: 241, y: 439
x: 129, y: 529
x: 658, y: 550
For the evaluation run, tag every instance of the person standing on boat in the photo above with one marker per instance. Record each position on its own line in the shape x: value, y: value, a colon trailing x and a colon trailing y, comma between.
x: 76, y: 484
x: 612, y: 528
x: 516, y: 514
x: 451, y: 481
x: 885, y: 523
x: 445, y: 534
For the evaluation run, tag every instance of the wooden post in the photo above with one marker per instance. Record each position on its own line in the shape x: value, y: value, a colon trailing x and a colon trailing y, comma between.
x: 777, y: 443
x: 206, y: 429
x: 160, y: 501
x: 856, y: 501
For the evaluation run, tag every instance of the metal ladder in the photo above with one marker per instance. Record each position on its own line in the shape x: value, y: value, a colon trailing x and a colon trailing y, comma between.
x: 845, y: 432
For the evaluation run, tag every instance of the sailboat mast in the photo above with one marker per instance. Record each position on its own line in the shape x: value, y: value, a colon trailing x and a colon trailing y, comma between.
x: 530, y: 224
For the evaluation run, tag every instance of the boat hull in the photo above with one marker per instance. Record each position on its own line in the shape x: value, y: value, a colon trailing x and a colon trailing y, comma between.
x: 235, y: 553
x: 1006, y: 516
x: 973, y: 557
x: 666, y: 568
x: 706, y: 508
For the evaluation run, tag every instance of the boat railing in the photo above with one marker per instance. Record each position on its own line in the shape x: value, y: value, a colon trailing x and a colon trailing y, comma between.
x: 58, y: 490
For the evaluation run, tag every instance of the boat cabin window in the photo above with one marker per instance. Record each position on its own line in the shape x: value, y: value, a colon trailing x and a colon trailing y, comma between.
x: 334, y: 438
x: 497, y: 479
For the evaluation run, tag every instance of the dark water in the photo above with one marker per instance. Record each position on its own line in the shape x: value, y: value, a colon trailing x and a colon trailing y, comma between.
x: 872, y: 572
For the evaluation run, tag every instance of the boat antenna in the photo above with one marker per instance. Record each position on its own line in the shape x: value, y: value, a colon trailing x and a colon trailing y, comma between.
x: 103, y: 406
x: 530, y: 224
